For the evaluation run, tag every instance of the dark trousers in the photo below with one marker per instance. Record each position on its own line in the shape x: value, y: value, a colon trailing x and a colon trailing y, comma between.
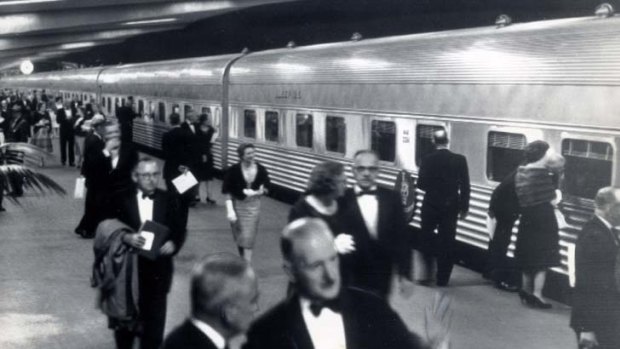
x: 127, y: 132
x: 439, y: 246
x: 67, y: 141
x: 500, y: 267
x: 153, y: 293
x: 184, y: 200
x: 94, y: 211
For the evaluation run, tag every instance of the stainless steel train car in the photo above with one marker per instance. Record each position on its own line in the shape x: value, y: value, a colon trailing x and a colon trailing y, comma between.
x: 492, y: 89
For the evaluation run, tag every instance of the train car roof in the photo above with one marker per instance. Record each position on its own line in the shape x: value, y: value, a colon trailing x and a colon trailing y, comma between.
x: 193, y: 78
x: 523, y: 71
x: 70, y: 80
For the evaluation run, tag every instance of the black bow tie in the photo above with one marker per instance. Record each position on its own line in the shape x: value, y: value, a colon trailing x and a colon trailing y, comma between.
x: 367, y: 192
x: 317, y: 307
x: 150, y: 196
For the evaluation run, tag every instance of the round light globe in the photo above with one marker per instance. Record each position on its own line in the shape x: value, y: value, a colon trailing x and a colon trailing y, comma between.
x: 26, y: 67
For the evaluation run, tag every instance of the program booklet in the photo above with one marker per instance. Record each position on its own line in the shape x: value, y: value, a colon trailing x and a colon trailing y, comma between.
x: 155, y: 235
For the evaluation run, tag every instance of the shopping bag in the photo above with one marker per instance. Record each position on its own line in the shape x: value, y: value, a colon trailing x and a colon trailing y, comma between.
x: 80, y: 188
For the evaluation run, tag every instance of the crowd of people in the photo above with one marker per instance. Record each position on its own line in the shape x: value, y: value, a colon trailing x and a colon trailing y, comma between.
x: 340, y: 248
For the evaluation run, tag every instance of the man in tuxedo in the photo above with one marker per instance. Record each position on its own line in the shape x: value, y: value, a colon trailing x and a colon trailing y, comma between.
x: 154, y: 276
x: 444, y: 177
x: 66, y: 119
x: 125, y: 115
x: 375, y: 218
x: 596, y: 303
x: 192, y: 152
x: 224, y: 296
x: 96, y: 177
x: 320, y: 313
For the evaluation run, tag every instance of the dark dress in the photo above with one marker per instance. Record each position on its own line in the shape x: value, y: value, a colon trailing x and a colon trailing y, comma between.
x: 204, y: 169
x: 538, y: 240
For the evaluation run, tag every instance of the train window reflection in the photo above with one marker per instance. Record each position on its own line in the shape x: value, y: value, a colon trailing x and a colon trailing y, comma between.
x: 109, y: 105
x: 424, y: 141
x: 335, y: 134
x: 383, y: 139
x: 272, y: 126
x: 304, y: 127
x: 588, y: 167
x: 161, y: 112
x: 504, y: 154
x: 249, y: 123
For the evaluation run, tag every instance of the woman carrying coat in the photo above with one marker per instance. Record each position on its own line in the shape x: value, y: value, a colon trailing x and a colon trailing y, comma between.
x: 244, y: 184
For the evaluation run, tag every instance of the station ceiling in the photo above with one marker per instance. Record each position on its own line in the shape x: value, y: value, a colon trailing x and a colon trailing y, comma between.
x: 105, y: 32
x: 45, y: 29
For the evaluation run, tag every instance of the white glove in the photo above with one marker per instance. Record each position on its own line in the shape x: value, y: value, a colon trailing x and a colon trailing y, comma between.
x: 344, y: 243
x: 230, y: 212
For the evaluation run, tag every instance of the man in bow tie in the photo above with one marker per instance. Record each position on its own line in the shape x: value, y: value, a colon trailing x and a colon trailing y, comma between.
x: 596, y: 303
x: 375, y: 218
x: 321, y: 313
x: 149, y: 202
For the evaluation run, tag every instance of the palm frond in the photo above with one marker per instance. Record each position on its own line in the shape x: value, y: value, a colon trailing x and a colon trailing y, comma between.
x: 11, y: 175
x: 22, y: 153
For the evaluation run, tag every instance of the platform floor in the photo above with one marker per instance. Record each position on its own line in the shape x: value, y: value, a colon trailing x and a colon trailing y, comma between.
x: 46, y: 300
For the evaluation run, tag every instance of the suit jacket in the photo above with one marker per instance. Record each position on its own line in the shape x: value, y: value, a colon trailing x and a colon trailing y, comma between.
x: 154, y: 275
x: 596, y: 300
x: 369, y: 322
x: 93, y: 145
x: 125, y: 115
x: 66, y: 125
x: 504, y: 204
x: 444, y: 177
x: 187, y: 336
x: 373, y: 260
x: 234, y: 182
x: 100, y: 174
x: 178, y: 147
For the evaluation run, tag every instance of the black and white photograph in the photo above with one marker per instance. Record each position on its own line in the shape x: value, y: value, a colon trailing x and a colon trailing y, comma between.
x: 309, y: 174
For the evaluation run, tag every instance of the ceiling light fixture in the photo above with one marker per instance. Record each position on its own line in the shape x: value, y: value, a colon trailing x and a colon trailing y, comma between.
x: 151, y: 21
x: 75, y: 45
x: 25, y: 2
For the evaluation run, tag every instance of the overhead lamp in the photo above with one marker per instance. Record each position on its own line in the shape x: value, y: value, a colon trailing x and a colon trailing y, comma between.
x: 151, y: 21
x: 25, y: 2
x: 26, y: 67
x: 503, y: 21
x: 356, y: 37
x: 604, y: 10
x: 75, y: 45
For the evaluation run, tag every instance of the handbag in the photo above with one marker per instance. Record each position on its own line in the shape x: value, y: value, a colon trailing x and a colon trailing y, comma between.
x: 80, y: 188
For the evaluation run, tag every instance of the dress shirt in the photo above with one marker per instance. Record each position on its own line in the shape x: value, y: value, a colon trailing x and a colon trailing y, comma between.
x: 191, y: 127
x: 113, y: 158
x: 326, y: 330
x: 369, y: 206
x: 214, y: 336
x: 145, y: 206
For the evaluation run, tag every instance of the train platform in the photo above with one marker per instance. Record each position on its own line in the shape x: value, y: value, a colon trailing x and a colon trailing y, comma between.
x: 46, y: 300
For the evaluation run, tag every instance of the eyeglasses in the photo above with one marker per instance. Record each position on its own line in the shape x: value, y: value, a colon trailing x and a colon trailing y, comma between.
x: 149, y: 175
x: 366, y: 168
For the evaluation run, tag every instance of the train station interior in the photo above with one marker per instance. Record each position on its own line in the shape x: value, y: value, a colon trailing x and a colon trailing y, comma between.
x: 306, y: 81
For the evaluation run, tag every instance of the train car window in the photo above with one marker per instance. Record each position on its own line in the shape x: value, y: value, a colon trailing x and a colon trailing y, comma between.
x: 186, y: 109
x: 383, y: 139
x: 122, y: 102
x: 272, y: 126
x: 588, y: 167
x: 116, y: 105
x: 205, y: 110
x: 424, y: 141
x: 161, y: 111
x: 140, y: 107
x: 304, y: 127
x: 103, y: 102
x: 335, y: 134
x: 504, y: 154
x: 249, y: 123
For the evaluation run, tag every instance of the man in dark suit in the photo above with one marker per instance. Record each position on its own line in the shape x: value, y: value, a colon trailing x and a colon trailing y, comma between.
x: 154, y: 276
x: 125, y: 115
x: 95, y: 171
x: 375, y: 218
x: 224, y: 295
x: 444, y: 177
x: 320, y: 313
x: 66, y: 119
x: 596, y: 303
x: 192, y: 151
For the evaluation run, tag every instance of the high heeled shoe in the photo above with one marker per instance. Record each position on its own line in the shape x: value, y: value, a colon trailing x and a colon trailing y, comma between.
x: 539, y: 303
x: 525, y: 297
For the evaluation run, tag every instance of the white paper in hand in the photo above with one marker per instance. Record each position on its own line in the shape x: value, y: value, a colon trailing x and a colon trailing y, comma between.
x: 80, y: 188
x: 184, y: 182
x: 148, y: 240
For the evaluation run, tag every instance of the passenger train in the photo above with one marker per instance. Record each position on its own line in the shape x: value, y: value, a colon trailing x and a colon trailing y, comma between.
x: 493, y: 89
